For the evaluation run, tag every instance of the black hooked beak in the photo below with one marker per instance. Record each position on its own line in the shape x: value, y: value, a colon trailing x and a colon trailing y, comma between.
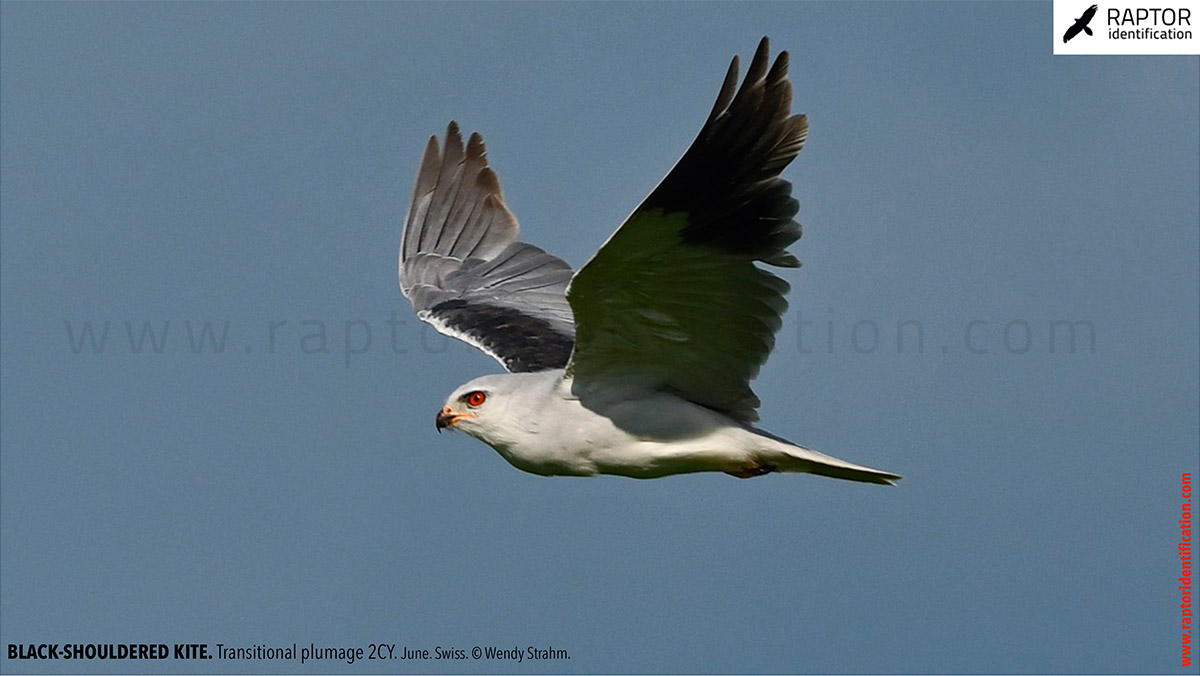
x: 444, y: 419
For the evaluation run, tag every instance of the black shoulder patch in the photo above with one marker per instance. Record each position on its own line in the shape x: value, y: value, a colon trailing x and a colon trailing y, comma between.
x: 522, y: 342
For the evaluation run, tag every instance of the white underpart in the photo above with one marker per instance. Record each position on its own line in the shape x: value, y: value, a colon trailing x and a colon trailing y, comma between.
x: 536, y: 423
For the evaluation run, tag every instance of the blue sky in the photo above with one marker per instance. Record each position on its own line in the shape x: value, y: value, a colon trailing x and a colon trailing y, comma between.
x: 251, y: 163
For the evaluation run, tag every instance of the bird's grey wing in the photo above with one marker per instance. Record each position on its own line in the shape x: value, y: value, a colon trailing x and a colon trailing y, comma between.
x: 674, y: 300
x: 466, y: 272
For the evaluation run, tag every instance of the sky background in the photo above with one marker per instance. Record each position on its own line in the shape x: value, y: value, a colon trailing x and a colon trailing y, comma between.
x: 251, y: 164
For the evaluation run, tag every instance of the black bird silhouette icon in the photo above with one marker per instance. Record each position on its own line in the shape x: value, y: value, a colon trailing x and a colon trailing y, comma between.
x: 1081, y: 24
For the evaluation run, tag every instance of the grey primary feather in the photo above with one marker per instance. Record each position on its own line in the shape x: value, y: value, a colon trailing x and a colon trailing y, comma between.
x: 466, y: 272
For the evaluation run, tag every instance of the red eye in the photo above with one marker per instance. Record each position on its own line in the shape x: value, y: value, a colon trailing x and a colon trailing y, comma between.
x: 475, y: 399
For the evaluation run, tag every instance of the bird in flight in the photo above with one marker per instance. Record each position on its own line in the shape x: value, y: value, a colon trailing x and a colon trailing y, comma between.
x: 1081, y: 24
x: 639, y: 364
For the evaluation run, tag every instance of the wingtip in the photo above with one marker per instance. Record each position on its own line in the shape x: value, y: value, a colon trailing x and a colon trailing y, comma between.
x: 430, y: 161
x: 475, y: 145
x: 758, y: 65
x: 454, y: 142
x: 779, y: 71
x: 728, y: 87
x: 488, y: 180
x: 798, y: 131
x: 432, y: 149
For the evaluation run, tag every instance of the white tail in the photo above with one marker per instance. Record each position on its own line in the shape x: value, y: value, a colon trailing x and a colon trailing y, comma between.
x: 788, y: 457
